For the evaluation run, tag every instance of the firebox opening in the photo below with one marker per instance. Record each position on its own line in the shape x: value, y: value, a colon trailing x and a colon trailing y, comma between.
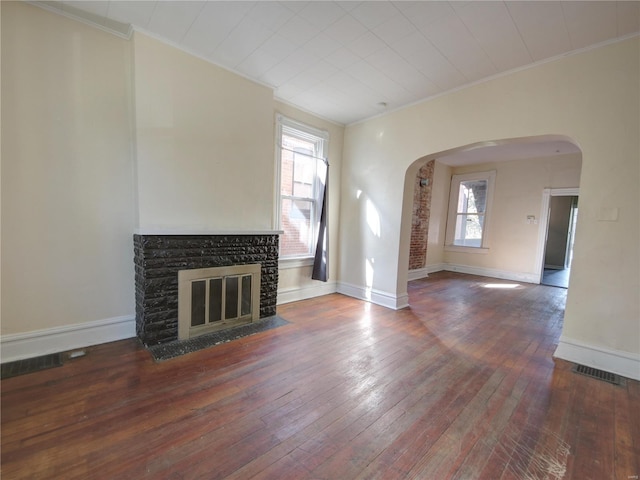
x: 216, y: 298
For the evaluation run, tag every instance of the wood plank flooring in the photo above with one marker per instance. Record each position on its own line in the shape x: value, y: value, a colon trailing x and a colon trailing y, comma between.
x: 462, y: 385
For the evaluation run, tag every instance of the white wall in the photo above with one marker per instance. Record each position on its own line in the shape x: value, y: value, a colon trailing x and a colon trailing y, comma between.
x: 438, y: 216
x: 78, y: 106
x: 591, y: 98
x: 205, y: 140
x: 67, y: 173
x: 518, y: 192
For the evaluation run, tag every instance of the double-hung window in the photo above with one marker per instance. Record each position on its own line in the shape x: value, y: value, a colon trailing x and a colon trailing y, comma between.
x: 301, y: 176
x: 469, y: 206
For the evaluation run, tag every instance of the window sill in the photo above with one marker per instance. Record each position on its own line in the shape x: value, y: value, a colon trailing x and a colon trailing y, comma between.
x: 459, y: 249
x: 295, y: 262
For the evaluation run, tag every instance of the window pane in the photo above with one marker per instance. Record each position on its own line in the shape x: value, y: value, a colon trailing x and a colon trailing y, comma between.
x: 303, y: 174
x: 472, y: 197
x: 296, y: 223
x: 469, y: 230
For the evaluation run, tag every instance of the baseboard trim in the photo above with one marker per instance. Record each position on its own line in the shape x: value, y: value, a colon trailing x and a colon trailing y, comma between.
x: 303, y: 293
x: 614, y: 361
x: 493, y: 273
x: 385, y: 299
x: 419, y: 273
x: 59, y: 339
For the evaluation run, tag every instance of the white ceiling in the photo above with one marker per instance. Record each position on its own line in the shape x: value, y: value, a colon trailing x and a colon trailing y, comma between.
x: 351, y: 60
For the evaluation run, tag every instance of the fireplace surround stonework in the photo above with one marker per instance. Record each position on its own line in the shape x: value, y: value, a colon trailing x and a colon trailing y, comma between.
x: 158, y: 258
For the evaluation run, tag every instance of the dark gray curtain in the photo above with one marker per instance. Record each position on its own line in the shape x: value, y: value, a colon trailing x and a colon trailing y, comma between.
x: 320, y: 268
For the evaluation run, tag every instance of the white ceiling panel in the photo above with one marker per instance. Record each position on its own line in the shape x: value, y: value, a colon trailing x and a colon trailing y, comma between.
x: 590, y: 22
x: 271, y: 14
x: 419, y: 52
x: 172, y: 20
x: 258, y: 63
x: 424, y: 14
x: 492, y: 26
x: 134, y: 11
x: 366, y: 44
x: 243, y: 40
x: 393, y: 29
x: 345, y: 30
x: 213, y: 25
x: 322, y: 46
x: 298, y: 30
x: 452, y: 38
x: 322, y: 14
x: 628, y: 17
x: 278, y: 47
x: 372, y: 14
x: 542, y: 27
x: 341, y: 59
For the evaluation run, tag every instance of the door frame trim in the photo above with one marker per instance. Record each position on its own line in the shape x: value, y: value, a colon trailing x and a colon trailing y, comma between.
x: 543, y: 229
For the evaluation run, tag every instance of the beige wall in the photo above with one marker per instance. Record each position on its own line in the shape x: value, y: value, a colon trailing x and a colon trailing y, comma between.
x: 438, y: 218
x: 592, y: 98
x: 204, y: 142
x: 518, y: 193
x: 103, y: 136
x: 67, y: 172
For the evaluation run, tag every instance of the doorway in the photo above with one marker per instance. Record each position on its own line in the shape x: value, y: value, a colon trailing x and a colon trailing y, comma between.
x: 562, y: 213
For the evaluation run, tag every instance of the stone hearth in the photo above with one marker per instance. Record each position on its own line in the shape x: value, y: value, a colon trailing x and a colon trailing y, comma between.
x: 158, y: 258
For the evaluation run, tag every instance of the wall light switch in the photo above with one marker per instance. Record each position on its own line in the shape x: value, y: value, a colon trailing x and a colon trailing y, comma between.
x: 531, y: 219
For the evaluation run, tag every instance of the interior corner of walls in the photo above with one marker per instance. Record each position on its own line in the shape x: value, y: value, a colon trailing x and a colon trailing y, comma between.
x: 53, y: 340
x: 614, y: 361
x: 303, y: 293
x: 384, y: 299
x: 493, y: 273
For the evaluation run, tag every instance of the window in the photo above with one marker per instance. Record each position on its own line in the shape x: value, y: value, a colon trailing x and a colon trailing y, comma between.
x: 301, y: 174
x: 469, y: 205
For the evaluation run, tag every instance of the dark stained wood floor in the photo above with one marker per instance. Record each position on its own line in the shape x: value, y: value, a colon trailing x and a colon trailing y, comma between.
x: 462, y: 385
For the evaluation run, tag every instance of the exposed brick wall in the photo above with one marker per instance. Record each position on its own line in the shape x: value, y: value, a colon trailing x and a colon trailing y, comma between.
x: 420, y: 217
x: 158, y: 258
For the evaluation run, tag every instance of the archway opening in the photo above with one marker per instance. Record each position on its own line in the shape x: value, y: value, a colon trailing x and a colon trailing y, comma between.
x: 525, y: 168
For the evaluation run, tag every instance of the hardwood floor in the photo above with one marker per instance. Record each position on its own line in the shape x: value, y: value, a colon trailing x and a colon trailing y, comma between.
x: 462, y: 385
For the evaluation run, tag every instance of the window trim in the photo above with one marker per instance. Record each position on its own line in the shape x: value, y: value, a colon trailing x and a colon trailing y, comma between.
x: 490, y: 177
x: 283, y: 122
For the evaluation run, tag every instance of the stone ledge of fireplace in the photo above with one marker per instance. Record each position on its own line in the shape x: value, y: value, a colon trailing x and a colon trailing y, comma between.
x: 195, y: 231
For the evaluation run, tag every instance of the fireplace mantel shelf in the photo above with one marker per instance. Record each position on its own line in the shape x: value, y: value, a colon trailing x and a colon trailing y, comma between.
x: 150, y: 231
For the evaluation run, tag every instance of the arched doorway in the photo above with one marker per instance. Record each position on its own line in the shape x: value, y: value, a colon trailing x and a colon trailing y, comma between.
x: 525, y: 168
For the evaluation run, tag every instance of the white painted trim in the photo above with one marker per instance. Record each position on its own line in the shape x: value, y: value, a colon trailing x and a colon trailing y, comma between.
x: 543, y: 224
x: 417, y: 274
x: 19, y: 346
x: 287, y: 263
x: 615, y: 361
x: 88, y: 19
x: 492, y: 272
x: 385, y: 299
x: 296, y: 294
x: 425, y: 271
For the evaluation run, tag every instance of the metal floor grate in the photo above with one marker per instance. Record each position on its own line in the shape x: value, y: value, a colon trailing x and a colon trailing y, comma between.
x: 30, y: 365
x: 598, y: 374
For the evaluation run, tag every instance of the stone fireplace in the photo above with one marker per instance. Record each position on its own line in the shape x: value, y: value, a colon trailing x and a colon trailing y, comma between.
x: 159, y: 258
